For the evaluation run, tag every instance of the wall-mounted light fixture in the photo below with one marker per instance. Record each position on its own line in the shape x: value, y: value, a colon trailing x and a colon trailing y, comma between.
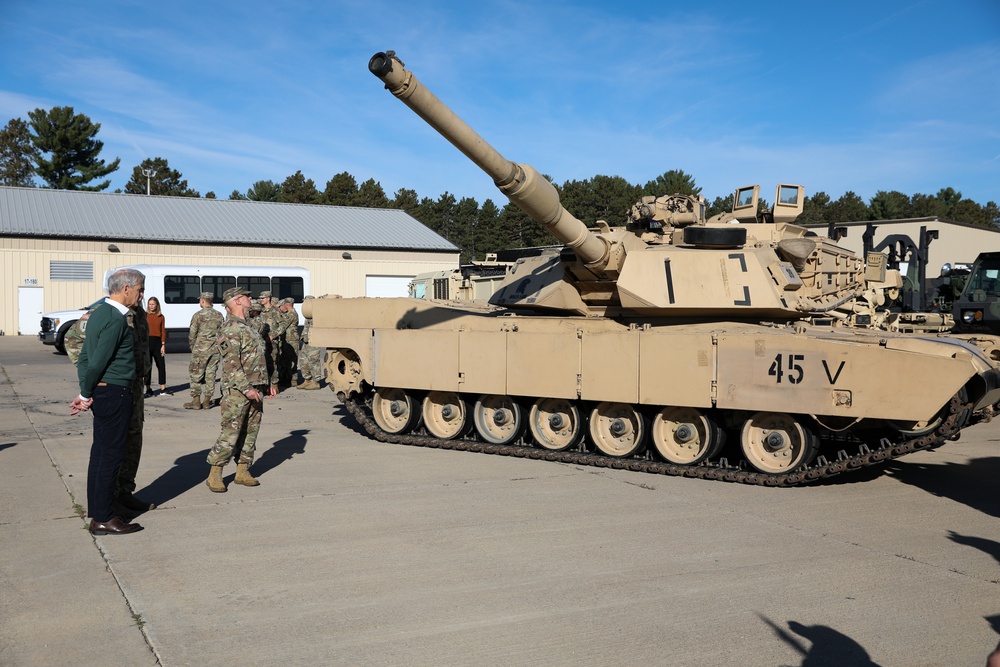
x: 346, y: 255
x: 113, y: 248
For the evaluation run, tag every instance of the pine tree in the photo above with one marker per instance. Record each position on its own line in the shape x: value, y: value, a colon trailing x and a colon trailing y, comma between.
x: 68, y: 150
x: 263, y: 191
x: 162, y: 180
x: 17, y: 155
x: 297, y: 189
x: 341, y: 190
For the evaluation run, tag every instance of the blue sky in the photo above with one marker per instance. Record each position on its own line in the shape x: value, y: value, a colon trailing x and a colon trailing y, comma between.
x: 860, y: 96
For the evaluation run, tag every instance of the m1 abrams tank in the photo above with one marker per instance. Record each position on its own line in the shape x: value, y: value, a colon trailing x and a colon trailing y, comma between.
x: 739, y: 348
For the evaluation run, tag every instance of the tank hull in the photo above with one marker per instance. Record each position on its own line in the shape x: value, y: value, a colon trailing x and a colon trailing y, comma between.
x: 732, y: 366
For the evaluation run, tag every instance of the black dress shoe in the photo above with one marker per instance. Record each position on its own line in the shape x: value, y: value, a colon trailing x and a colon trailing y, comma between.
x: 130, y: 502
x: 113, y: 527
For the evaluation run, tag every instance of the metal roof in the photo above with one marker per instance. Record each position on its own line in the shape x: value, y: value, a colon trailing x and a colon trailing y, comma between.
x: 42, y: 212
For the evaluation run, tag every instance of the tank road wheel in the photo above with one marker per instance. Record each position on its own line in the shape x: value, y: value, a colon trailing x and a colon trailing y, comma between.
x: 395, y: 411
x: 776, y: 443
x: 445, y: 415
x: 555, y: 423
x: 617, y: 429
x: 498, y: 419
x: 685, y: 436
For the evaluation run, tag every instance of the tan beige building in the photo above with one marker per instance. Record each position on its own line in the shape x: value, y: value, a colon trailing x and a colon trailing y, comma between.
x: 952, y: 241
x: 56, y: 245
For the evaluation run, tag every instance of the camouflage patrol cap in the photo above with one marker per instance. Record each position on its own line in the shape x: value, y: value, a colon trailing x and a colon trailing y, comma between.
x: 255, y: 304
x: 265, y: 295
x: 207, y: 296
x: 307, y: 297
x: 289, y: 300
x: 234, y: 292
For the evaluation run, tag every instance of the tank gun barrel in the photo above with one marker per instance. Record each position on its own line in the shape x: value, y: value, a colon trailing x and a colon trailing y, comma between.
x: 520, y: 183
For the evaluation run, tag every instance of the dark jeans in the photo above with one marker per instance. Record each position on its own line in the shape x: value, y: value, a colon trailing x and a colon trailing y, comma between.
x: 112, y: 408
x: 158, y: 361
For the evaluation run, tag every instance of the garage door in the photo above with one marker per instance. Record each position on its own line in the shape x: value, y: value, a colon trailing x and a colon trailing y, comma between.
x: 387, y: 285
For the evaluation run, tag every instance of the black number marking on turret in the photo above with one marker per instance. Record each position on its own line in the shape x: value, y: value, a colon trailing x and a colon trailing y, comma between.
x: 793, y: 374
x: 670, y: 281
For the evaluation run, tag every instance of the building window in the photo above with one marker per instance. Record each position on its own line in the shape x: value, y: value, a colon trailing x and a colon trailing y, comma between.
x: 78, y: 271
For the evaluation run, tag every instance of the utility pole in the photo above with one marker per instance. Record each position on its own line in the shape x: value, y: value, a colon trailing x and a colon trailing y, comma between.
x: 149, y: 174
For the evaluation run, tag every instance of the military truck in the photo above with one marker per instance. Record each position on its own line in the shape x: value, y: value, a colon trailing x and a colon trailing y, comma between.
x: 470, y: 282
x: 977, y: 307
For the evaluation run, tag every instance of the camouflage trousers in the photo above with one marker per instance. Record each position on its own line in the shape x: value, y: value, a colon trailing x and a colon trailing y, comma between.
x: 133, y: 442
x: 240, y: 425
x: 204, y: 364
x: 311, y: 363
x: 273, y: 359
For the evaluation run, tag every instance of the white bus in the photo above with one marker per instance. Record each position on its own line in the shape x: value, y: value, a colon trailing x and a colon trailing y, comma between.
x: 178, y: 288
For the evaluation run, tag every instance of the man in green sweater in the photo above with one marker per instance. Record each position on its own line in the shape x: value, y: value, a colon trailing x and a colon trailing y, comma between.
x: 106, y: 368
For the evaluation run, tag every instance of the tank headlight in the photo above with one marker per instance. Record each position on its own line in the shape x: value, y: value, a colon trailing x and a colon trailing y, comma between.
x: 972, y: 316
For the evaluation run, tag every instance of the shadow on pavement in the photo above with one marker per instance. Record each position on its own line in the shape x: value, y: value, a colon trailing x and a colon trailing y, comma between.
x: 7, y: 445
x: 827, y: 646
x: 282, y: 450
x: 972, y: 483
x: 191, y: 470
x: 188, y: 472
x: 348, y: 421
x: 990, y: 547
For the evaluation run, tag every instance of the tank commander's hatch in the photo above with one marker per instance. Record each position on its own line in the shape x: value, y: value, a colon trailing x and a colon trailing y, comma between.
x: 788, y: 202
x: 745, y: 203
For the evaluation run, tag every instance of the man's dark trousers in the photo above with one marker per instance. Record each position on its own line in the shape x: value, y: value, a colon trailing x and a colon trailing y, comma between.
x: 112, y: 408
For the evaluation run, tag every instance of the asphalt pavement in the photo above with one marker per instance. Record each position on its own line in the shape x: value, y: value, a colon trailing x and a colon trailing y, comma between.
x: 353, y: 552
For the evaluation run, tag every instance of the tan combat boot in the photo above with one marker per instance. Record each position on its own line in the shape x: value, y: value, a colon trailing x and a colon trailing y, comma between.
x: 214, y: 480
x: 243, y: 475
x: 206, y: 403
x: 195, y: 402
x: 309, y: 384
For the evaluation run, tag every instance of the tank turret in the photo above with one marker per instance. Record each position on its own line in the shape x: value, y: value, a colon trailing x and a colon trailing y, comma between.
x: 669, y: 261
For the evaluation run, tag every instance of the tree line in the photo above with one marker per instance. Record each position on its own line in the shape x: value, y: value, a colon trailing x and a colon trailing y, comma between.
x: 60, y: 148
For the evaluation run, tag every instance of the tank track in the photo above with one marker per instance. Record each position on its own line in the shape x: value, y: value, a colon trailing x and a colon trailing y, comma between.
x: 959, y: 414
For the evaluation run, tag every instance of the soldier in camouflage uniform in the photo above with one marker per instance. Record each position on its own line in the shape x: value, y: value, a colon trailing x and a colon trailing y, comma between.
x: 289, y: 344
x: 244, y: 376
x: 272, y: 321
x: 202, y: 335
x: 257, y: 322
x: 73, y: 340
x: 136, y: 319
x: 310, y: 358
